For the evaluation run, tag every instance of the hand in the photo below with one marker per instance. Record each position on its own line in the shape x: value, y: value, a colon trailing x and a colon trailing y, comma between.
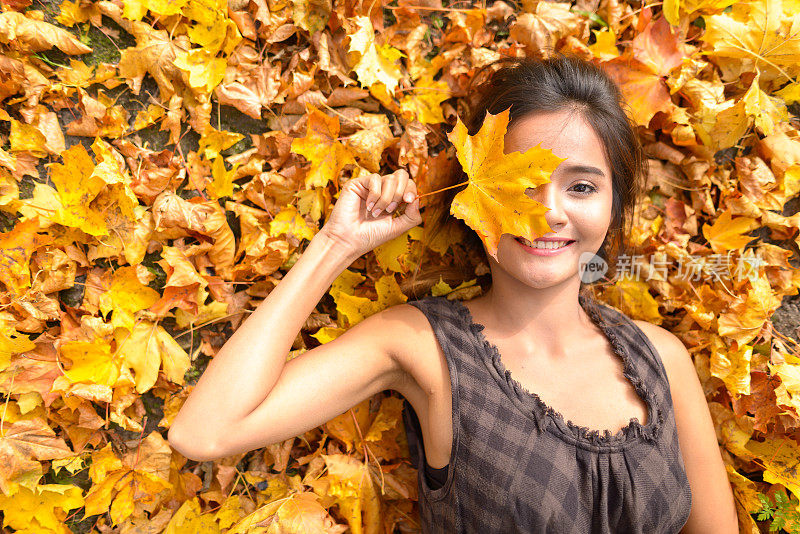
x: 356, y: 227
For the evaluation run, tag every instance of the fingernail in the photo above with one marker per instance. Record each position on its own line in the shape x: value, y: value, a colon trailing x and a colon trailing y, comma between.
x: 408, y: 197
x: 376, y: 212
x: 390, y: 207
x: 369, y: 206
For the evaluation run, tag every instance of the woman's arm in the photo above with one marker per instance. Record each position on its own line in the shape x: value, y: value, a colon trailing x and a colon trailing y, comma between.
x: 248, y: 396
x: 713, y: 505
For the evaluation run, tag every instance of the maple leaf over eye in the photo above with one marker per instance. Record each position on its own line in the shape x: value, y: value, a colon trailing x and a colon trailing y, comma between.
x: 494, y: 202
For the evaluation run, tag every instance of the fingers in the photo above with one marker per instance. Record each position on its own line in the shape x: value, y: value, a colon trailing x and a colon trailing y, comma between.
x: 400, y: 188
x: 374, y: 187
x: 387, y: 192
x: 410, y: 191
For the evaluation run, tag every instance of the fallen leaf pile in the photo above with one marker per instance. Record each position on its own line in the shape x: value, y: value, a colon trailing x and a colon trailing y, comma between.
x: 164, y: 163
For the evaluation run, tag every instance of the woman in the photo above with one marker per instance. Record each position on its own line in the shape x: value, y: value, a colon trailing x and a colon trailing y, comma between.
x: 493, y: 456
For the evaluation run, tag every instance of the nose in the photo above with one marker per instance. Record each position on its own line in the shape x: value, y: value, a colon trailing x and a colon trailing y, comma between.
x: 549, y: 195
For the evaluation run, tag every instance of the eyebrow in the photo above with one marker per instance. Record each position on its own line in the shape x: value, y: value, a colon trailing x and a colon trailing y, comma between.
x: 583, y: 169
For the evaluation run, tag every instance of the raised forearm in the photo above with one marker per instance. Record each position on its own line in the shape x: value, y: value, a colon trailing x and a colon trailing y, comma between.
x: 245, y: 369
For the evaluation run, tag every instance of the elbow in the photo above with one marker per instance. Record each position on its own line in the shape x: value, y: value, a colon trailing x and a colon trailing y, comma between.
x: 192, y: 448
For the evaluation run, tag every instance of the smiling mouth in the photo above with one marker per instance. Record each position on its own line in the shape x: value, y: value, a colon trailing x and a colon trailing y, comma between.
x: 556, y: 244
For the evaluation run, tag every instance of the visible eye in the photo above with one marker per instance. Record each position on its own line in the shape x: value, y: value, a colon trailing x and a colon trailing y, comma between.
x: 588, y: 188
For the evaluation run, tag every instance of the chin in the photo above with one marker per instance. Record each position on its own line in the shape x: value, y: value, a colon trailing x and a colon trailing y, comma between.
x: 535, y: 271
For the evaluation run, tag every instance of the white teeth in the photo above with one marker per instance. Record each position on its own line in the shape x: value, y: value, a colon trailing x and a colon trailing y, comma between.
x: 543, y: 244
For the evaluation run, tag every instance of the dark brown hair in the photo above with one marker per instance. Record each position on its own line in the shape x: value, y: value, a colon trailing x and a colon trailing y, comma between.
x: 560, y: 82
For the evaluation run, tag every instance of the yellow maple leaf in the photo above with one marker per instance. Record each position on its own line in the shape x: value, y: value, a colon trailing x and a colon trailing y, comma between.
x: 387, y: 418
x: 313, y: 201
x: 377, y: 63
x: 146, y: 349
x: 203, y: 68
x: 425, y: 102
x: 229, y: 512
x: 788, y: 393
x: 766, y: 110
x: 12, y: 342
x: 126, y: 296
x: 205, y: 314
x: 760, y: 35
x: 367, y: 145
x: 605, y: 45
x: 732, y: 366
x: 347, y: 427
x: 440, y: 288
x: 393, y: 255
x: 746, y: 492
x: 222, y: 184
x: 328, y: 333
x: 673, y: 8
x: 72, y: 13
x: 721, y: 126
x: 356, y: 309
x: 206, y: 218
x: 155, y: 53
x: 77, y: 187
x: 351, y: 484
x: 289, y: 221
x: 746, y: 317
x: 790, y: 94
x: 27, y: 137
x: 633, y: 298
x: 327, y: 155
x: 17, y: 245
x: 494, y: 201
x: 92, y: 362
x: 164, y: 8
x: 141, y: 476
x: 212, y: 30
x: 190, y: 518
x: 212, y: 142
x: 43, y: 509
x: 727, y: 233
x: 126, y: 222
x: 780, y: 458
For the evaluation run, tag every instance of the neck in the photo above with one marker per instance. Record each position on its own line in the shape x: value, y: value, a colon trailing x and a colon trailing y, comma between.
x: 550, y: 320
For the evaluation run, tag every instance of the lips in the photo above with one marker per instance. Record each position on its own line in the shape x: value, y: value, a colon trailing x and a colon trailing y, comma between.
x: 527, y: 242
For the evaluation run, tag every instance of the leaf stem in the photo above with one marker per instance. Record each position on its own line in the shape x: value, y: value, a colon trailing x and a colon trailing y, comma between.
x: 442, y: 189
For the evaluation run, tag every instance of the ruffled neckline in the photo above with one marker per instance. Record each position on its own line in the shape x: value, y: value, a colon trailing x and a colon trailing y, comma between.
x: 544, y: 414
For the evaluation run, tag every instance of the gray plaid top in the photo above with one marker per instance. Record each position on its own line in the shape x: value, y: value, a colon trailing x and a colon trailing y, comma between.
x: 516, y: 464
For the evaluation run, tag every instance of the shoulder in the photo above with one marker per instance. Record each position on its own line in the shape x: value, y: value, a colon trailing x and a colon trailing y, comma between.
x: 676, y: 359
x: 662, y: 339
x: 712, y: 499
x: 414, y: 346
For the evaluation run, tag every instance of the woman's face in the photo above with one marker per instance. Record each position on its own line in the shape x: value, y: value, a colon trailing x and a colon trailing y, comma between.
x: 579, y: 196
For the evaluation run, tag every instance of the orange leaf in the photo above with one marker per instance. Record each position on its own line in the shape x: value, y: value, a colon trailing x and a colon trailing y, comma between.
x: 727, y: 233
x: 320, y: 147
x: 35, y: 35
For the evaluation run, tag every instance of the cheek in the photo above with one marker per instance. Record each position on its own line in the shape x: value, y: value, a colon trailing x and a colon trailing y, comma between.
x: 591, y: 215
